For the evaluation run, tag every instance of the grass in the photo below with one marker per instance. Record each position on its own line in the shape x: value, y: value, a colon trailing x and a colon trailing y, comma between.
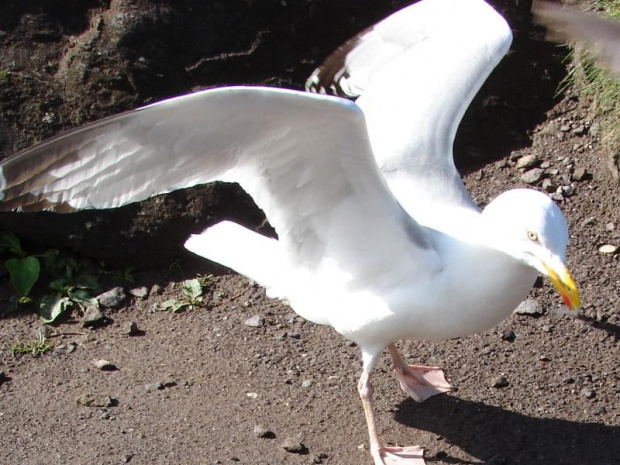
x: 35, y: 347
x: 601, y: 86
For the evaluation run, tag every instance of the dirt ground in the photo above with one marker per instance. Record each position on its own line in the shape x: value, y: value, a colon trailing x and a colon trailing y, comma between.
x: 192, y: 387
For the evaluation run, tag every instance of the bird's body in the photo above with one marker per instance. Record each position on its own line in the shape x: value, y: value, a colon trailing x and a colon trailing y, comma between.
x: 377, y: 235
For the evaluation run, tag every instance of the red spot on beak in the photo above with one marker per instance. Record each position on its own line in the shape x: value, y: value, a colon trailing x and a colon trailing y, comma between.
x: 567, y: 301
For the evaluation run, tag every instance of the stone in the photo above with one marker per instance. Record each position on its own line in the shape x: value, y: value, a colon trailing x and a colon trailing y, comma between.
x: 261, y: 431
x: 549, y: 186
x: 608, y: 249
x: 92, y: 317
x: 139, y: 292
x: 112, y: 298
x: 579, y: 174
x: 532, y: 176
x: 95, y: 400
x: 131, y: 328
x: 307, y: 383
x: 151, y: 387
x: 579, y: 130
x: 588, y: 393
x: 509, y: 335
x: 499, y: 381
x: 609, y: 227
x: 527, y: 161
x: 104, y: 365
x: 155, y: 289
x: 255, y: 321
x: 293, y: 445
x: 529, y: 307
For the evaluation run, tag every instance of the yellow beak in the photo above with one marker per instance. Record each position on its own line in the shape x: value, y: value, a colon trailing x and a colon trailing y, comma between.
x: 565, y: 284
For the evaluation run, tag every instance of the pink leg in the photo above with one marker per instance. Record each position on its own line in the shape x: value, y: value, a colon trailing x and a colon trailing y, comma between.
x: 412, y: 455
x: 419, y: 382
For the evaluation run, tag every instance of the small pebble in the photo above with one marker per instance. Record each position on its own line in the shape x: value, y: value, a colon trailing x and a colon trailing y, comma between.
x: 255, y: 321
x: 579, y: 130
x: 131, y: 328
x: 151, y: 387
x: 527, y: 161
x: 105, y: 416
x: 532, y: 176
x: 92, y: 317
x: 499, y: 381
x: 509, y: 335
x: 155, y: 289
x: 608, y: 249
x: 529, y: 307
x: 139, y: 292
x: 293, y: 445
x: 548, y: 186
x: 112, y: 298
x: 544, y: 358
x: 260, y: 431
x: 588, y: 393
x: 609, y: 227
x: 104, y: 365
x: 579, y: 174
x: 92, y: 400
x: 307, y: 383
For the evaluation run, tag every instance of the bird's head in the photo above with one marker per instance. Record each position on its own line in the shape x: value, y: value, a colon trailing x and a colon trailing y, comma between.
x: 533, y: 230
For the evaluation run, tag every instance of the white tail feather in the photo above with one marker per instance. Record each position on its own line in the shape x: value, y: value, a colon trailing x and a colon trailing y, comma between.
x: 248, y: 253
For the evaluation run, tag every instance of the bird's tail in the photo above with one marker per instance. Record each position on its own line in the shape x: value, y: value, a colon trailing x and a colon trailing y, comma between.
x: 251, y: 254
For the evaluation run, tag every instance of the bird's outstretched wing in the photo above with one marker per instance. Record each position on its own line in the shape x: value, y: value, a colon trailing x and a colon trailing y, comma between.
x: 305, y: 159
x: 414, y: 74
x: 601, y: 35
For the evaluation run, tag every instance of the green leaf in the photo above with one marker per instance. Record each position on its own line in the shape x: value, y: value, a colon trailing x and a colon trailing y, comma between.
x: 52, y: 306
x: 192, y: 289
x: 24, y: 273
x: 174, y: 305
x: 86, y: 281
x: 83, y: 298
x: 60, y: 285
x: 50, y: 259
x: 9, y: 241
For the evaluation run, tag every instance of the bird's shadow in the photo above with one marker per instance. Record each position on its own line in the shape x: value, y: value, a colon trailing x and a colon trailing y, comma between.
x: 498, y: 435
x: 611, y: 329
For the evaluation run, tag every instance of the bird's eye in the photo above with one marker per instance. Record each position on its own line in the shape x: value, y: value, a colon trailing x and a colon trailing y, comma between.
x: 532, y: 236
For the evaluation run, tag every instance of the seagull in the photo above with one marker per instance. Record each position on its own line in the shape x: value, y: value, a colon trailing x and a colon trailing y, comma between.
x: 601, y: 35
x: 377, y: 236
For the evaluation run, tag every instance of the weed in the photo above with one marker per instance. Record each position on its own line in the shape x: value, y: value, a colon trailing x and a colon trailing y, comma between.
x: 23, y: 269
x: 192, y: 297
x: 125, y: 276
x: 35, y: 347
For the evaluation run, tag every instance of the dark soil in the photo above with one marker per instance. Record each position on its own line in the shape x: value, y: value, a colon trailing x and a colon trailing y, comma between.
x: 63, y: 63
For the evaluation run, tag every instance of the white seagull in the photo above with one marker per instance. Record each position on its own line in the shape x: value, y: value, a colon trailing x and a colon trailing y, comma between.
x: 377, y: 236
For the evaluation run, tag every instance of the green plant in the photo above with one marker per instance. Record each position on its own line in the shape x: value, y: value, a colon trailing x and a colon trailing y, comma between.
x: 35, y: 347
x: 24, y: 269
x: 192, y: 297
x: 125, y: 275
x: 72, y: 287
